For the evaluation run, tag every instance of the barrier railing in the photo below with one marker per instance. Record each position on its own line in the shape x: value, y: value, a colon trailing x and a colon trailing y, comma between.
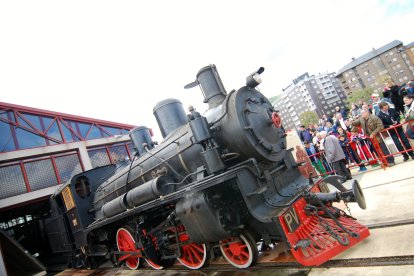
x: 380, y: 150
x: 393, y: 141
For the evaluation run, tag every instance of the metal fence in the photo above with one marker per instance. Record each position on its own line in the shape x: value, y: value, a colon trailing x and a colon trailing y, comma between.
x: 378, y: 151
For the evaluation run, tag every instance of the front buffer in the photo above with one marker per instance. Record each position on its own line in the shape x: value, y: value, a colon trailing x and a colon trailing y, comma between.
x: 317, y: 231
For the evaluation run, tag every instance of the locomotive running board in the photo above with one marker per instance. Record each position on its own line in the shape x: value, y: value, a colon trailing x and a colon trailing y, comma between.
x: 311, y: 243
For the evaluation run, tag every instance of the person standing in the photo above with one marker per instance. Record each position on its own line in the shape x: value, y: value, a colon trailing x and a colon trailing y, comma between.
x: 335, y: 155
x: 340, y: 122
x: 305, y: 135
x: 410, y: 88
x: 394, y: 95
x: 371, y: 125
x: 390, y: 117
x: 409, y: 107
x: 409, y: 115
x: 376, y: 100
x: 355, y: 111
x: 341, y: 111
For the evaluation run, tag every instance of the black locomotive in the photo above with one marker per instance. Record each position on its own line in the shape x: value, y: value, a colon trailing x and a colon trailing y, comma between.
x: 222, y: 182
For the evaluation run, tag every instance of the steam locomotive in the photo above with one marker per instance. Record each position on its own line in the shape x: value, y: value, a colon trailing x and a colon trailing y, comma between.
x: 218, y: 184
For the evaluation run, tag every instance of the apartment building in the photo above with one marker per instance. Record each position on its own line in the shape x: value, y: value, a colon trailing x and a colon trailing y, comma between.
x: 371, y: 70
x: 318, y: 93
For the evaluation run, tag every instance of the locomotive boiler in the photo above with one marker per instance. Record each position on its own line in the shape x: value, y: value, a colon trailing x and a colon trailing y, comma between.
x: 218, y: 184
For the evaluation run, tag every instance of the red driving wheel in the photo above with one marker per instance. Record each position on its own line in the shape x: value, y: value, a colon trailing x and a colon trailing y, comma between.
x: 277, y: 121
x: 125, y: 242
x: 193, y: 255
x: 240, y: 251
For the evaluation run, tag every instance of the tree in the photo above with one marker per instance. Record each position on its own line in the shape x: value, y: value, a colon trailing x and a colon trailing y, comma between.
x: 362, y: 94
x: 309, y: 118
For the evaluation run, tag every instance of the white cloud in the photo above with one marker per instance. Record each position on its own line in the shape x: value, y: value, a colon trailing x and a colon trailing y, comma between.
x: 115, y: 60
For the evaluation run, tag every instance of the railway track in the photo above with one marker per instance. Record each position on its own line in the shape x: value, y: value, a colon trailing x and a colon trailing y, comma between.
x: 291, y: 267
x: 285, y: 263
x: 390, y: 224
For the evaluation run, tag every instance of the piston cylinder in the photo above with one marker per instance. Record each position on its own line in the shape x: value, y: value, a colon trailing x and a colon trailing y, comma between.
x: 149, y: 190
x: 142, y: 194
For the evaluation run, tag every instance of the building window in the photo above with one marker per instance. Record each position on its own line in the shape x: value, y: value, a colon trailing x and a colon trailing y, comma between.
x: 99, y: 157
x: 6, y: 137
x: 40, y: 174
x: 68, y: 166
x: 11, y: 181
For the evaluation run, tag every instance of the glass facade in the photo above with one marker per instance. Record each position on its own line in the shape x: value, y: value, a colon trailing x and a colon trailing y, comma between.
x: 99, y: 157
x: 40, y: 174
x: 109, y: 154
x: 68, y: 166
x: 11, y: 181
x: 24, y: 130
x: 35, y: 174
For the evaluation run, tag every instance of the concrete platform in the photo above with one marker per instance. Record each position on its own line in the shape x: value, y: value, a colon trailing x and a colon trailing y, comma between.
x: 389, y: 194
x: 383, y: 242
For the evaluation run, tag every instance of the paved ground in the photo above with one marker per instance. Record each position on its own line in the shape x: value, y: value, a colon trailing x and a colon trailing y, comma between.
x: 389, y: 194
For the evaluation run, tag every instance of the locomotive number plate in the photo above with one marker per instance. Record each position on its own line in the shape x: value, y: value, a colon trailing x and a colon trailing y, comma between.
x: 292, y: 219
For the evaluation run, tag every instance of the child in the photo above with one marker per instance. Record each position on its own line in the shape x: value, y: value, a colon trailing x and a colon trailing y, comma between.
x: 314, y: 157
x: 349, y: 152
x: 363, y: 146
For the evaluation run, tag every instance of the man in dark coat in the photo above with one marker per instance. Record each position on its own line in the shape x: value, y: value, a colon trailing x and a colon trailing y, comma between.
x: 392, y: 92
x: 389, y: 117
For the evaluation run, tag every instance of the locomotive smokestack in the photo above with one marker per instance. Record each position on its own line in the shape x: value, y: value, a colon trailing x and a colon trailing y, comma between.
x: 211, y: 85
x: 170, y: 116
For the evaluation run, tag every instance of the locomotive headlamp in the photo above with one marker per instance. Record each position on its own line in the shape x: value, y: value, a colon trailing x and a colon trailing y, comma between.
x: 254, y: 79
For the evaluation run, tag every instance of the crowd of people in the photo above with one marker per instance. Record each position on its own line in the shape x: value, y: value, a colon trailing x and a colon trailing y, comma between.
x: 346, y: 139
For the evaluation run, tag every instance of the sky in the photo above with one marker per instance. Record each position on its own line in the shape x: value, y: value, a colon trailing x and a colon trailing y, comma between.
x: 114, y: 60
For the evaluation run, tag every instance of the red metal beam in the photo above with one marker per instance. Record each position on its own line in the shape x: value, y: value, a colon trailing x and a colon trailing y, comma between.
x: 48, y: 113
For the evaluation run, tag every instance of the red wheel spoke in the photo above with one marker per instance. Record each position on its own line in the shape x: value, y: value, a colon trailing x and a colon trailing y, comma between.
x: 124, y: 257
x: 197, y: 247
x: 227, y: 249
x: 195, y: 254
x: 245, y: 254
x: 190, y: 256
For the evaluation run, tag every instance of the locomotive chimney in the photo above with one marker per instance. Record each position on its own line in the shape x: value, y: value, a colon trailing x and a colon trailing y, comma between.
x: 170, y: 116
x: 211, y: 85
